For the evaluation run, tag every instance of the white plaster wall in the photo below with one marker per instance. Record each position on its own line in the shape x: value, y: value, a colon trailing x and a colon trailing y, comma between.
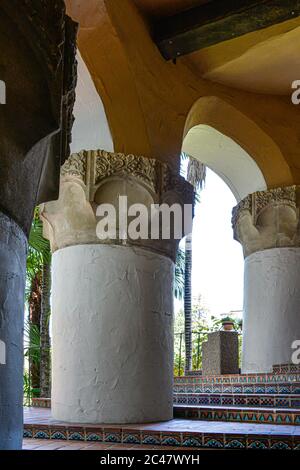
x: 90, y: 130
x: 271, y: 308
x: 112, y: 335
x: 226, y: 158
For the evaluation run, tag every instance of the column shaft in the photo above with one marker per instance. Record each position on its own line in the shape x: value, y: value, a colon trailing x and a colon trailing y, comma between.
x: 112, y: 335
x: 13, y: 247
x: 272, y: 308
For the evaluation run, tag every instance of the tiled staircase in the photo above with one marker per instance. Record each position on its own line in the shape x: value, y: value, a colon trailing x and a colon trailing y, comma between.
x: 254, y: 398
x: 257, y: 411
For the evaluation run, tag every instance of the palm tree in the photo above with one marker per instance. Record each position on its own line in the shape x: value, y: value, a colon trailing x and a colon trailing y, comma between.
x: 38, y: 300
x: 45, y: 364
x: 196, y: 174
x: 179, y: 274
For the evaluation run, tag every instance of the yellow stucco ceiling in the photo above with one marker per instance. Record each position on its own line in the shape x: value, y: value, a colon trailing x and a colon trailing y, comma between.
x: 265, y: 61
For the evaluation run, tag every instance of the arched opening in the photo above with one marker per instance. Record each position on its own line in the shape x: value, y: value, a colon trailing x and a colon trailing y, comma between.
x: 243, y: 131
x: 231, y: 154
x: 226, y: 158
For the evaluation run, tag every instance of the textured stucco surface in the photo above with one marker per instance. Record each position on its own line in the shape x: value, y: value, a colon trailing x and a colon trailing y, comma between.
x: 13, y: 246
x: 271, y: 308
x: 112, y: 335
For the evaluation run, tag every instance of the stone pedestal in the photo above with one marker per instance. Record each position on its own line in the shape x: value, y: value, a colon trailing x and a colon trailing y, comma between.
x: 267, y: 225
x: 220, y: 354
x: 112, y: 298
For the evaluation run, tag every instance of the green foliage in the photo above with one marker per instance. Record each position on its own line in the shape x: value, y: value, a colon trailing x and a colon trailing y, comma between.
x: 38, y: 255
x: 38, y: 252
x: 27, y: 389
x: 32, y: 342
x: 227, y: 319
x: 202, y: 324
x: 218, y: 323
x: 200, y: 328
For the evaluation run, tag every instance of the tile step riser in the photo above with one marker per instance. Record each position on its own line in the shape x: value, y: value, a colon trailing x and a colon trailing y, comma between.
x: 239, y: 379
x: 238, y: 389
x: 238, y: 416
x: 189, y: 440
x: 235, y: 400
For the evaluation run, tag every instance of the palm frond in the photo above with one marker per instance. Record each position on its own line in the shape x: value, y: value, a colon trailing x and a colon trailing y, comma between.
x: 196, y: 173
x: 32, y: 342
x: 37, y: 243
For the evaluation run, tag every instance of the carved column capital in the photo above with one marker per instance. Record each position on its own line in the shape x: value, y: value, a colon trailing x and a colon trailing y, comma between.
x: 92, y: 178
x: 268, y: 219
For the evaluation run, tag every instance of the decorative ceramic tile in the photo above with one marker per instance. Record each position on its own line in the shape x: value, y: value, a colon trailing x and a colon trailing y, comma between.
x: 41, y: 432
x: 112, y: 435
x: 191, y: 440
x: 151, y: 438
x: 27, y: 433
x: 282, y: 402
x: 213, y: 441
x: 295, y: 402
x: 235, y: 442
x: 281, y: 443
x: 93, y: 435
x: 257, y: 443
x: 59, y: 433
x: 131, y: 436
x: 76, y: 434
x: 173, y: 439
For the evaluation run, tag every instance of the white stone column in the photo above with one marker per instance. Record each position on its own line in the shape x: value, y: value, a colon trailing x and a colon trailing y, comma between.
x: 112, y: 300
x: 267, y: 225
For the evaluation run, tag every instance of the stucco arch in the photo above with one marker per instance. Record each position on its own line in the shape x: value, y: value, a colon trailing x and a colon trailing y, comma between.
x: 214, y: 126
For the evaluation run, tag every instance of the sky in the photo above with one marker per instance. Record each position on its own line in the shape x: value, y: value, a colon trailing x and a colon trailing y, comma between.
x: 218, y: 263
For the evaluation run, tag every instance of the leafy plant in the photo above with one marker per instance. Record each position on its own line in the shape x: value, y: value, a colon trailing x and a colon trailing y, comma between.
x: 227, y: 320
x: 37, y: 297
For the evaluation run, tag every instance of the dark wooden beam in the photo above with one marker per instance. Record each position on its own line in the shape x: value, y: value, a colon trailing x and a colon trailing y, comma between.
x: 218, y: 21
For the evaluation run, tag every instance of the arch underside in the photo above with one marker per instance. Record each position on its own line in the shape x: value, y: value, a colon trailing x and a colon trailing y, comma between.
x: 234, y: 147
